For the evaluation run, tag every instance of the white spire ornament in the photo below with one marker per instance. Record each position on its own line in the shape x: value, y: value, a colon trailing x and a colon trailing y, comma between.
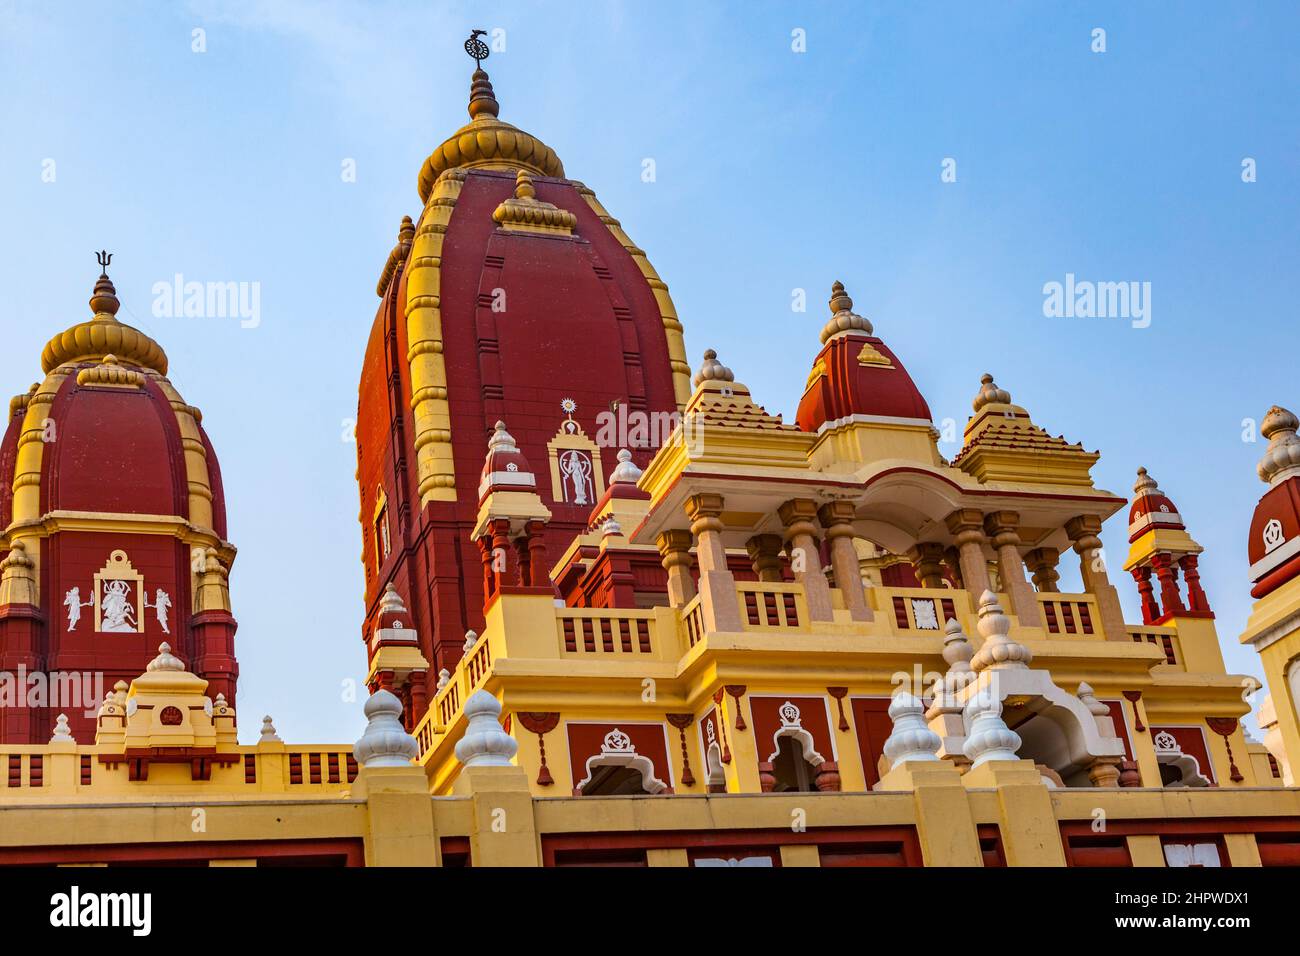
x: 988, y: 737
x: 910, y: 739
x: 998, y: 650
x: 485, y: 744
x: 269, y: 736
x: 385, y: 742
x: 62, y: 732
x: 1282, y: 457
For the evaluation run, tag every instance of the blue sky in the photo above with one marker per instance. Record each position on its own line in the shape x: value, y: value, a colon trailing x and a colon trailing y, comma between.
x: 775, y: 170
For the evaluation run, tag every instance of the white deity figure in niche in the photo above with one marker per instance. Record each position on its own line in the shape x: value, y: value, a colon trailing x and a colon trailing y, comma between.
x: 116, y: 614
x: 575, y: 466
x: 74, y: 605
x: 161, y: 603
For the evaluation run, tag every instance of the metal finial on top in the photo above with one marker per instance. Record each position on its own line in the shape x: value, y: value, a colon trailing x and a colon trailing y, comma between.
x: 103, y: 258
x: 476, y: 48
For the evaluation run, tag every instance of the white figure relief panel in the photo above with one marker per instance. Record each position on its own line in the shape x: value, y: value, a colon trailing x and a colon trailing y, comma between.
x: 576, y: 474
x: 119, y: 599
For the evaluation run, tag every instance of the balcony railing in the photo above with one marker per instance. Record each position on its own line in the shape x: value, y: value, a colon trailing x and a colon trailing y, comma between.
x: 317, y: 769
x: 1070, y: 614
x: 611, y: 632
x: 766, y: 606
x: 1165, y: 638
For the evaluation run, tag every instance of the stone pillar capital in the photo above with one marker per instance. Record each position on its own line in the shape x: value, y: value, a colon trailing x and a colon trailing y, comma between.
x: 1003, y: 528
x: 965, y: 519
x: 799, y: 515
x: 705, y: 512
x: 837, y: 517
x: 1084, y: 531
x: 674, y: 541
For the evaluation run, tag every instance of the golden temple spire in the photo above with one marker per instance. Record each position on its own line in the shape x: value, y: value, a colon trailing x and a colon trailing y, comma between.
x: 104, y: 301
x: 482, y: 99
x: 843, y: 318
x: 103, y: 334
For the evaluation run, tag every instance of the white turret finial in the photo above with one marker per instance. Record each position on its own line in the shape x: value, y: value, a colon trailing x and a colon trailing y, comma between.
x: 843, y: 318
x: 485, y: 744
x: 998, y: 649
x: 712, y: 370
x: 611, y: 527
x: 1282, y: 458
x: 62, y: 732
x: 385, y: 742
x: 988, y: 737
x: 269, y: 736
x: 165, y: 661
x: 1145, y: 484
x: 1089, y: 699
x: 957, y: 651
x: 625, y: 472
x: 990, y: 394
x: 391, y: 602
x: 471, y: 638
x: 911, y: 738
x: 501, y: 439
x: 444, y: 676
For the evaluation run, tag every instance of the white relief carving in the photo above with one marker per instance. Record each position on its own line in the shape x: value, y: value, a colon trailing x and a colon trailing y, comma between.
x: 1166, y: 741
x: 734, y: 861
x: 161, y: 603
x: 1192, y: 854
x: 924, y: 614
x: 575, y: 471
x: 117, y: 615
x: 617, y: 742
x: 1273, y: 536
x: 792, y: 726
x: 72, y: 601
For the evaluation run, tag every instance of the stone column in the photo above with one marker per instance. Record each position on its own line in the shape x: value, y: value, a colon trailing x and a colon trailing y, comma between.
x: 799, y: 517
x: 718, y: 598
x: 1196, y: 599
x: 1150, y: 609
x: 675, y: 554
x: 540, y: 574
x: 1042, y: 564
x: 1167, y: 572
x: 967, y: 527
x: 927, y: 563
x: 1083, y: 531
x: 837, y: 518
x: 952, y: 561
x: 765, y: 556
x: 1002, y: 527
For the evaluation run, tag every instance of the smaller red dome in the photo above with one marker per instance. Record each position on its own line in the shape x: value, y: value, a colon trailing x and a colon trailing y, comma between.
x: 506, y: 468
x: 855, y: 374
x: 393, y: 613
x: 1151, y: 508
x: 1274, y: 545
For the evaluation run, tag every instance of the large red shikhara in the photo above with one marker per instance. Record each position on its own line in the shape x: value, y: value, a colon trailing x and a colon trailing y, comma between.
x: 529, y: 321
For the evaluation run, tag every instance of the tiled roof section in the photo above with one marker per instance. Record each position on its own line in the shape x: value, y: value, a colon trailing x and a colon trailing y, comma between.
x: 1022, y: 436
x: 736, y: 410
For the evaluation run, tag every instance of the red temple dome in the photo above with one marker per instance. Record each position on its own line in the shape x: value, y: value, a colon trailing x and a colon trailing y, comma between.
x: 506, y: 468
x: 1274, y: 545
x: 1151, y: 508
x: 856, y: 377
x: 113, y: 512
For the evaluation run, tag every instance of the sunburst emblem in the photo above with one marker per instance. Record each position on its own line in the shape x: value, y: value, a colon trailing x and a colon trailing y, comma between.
x: 568, y: 406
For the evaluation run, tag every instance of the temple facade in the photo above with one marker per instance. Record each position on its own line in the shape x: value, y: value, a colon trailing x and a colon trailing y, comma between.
x: 734, y: 641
